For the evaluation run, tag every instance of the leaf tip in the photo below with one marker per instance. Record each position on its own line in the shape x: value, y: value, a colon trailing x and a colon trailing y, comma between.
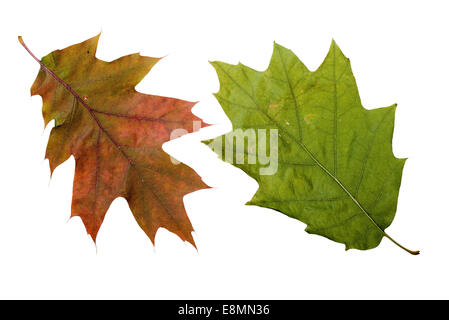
x: 207, y: 142
x: 277, y: 46
x: 192, y: 242
x: 334, y: 44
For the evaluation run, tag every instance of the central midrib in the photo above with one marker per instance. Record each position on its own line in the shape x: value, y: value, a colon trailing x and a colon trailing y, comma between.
x: 310, y: 154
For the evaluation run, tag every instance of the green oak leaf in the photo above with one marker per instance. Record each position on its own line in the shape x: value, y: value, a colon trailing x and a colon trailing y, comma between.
x: 336, y: 169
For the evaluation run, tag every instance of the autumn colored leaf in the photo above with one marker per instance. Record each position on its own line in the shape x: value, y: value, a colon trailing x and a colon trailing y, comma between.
x: 336, y: 169
x: 115, y: 135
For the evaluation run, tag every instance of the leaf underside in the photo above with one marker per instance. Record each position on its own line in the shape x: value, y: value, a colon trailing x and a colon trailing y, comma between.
x: 336, y: 169
x: 115, y: 135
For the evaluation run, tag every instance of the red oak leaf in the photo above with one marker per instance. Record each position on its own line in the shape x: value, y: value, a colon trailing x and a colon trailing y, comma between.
x: 115, y: 135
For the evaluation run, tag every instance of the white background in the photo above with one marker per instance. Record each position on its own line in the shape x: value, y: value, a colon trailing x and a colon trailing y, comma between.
x: 399, y: 52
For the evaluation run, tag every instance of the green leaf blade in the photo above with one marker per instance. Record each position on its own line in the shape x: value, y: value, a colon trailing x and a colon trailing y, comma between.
x: 336, y: 171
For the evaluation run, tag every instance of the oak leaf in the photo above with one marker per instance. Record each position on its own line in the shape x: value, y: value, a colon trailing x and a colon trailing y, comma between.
x: 115, y: 135
x: 336, y: 169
